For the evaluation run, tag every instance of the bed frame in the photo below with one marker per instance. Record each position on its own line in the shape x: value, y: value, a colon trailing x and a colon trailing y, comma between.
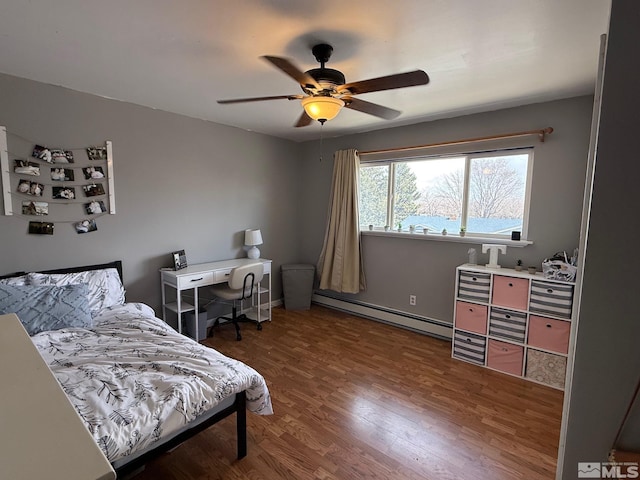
x: 238, y: 406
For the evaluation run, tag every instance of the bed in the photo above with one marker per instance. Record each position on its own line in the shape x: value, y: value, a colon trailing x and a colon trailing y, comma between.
x: 139, y: 386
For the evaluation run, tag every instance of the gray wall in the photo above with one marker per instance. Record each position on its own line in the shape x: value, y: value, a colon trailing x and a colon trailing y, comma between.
x: 607, y: 358
x: 180, y: 183
x: 397, y: 267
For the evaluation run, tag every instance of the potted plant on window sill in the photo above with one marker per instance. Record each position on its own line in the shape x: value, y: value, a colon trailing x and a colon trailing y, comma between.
x: 463, y: 231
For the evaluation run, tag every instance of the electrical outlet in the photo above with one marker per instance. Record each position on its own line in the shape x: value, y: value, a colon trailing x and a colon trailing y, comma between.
x: 412, y: 299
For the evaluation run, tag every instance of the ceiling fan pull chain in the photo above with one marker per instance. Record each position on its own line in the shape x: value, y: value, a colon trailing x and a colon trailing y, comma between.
x: 321, y: 130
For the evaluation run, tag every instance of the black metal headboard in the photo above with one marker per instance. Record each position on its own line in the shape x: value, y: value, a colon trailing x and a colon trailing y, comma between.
x: 116, y: 264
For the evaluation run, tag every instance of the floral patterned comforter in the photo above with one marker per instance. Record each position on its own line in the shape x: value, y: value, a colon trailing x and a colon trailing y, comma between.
x: 133, y: 379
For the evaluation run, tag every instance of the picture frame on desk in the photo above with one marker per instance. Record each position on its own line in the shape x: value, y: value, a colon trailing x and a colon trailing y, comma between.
x: 179, y: 260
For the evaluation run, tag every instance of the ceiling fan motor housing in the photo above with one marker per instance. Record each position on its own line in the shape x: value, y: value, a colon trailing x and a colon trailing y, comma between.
x: 328, y: 78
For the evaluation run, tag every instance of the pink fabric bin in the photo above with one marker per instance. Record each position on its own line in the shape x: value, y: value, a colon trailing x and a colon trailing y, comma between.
x: 549, y: 334
x: 505, y: 357
x: 510, y: 292
x: 471, y: 317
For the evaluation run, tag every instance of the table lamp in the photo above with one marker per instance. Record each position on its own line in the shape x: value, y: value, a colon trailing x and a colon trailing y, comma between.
x: 253, y: 237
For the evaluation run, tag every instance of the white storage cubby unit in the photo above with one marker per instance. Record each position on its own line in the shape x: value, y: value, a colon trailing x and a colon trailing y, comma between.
x: 513, y: 322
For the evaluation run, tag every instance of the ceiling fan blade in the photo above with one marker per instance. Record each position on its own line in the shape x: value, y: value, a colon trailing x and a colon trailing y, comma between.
x: 370, y: 108
x: 294, y: 72
x: 399, y: 80
x: 260, y: 99
x: 304, y: 120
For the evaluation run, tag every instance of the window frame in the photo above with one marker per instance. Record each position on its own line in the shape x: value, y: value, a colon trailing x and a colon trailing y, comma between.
x: 468, y: 157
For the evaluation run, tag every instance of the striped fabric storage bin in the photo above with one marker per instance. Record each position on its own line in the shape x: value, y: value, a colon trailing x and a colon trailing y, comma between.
x: 470, y: 347
x: 551, y: 298
x: 507, y: 324
x: 474, y: 286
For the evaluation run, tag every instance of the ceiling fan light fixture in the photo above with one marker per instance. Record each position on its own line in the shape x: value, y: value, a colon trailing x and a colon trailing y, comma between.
x: 322, y: 108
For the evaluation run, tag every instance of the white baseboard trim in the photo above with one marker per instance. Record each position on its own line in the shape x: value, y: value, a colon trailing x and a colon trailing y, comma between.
x: 398, y: 318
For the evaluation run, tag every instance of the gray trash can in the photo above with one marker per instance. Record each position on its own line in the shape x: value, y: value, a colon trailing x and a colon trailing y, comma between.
x: 190, y: 324
x: 297, y: 284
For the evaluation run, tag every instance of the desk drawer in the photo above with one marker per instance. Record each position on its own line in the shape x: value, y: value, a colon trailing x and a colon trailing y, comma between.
x: 221, y: 276
x: 195, y: 280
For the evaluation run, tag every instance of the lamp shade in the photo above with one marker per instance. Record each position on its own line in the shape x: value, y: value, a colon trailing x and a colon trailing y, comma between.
x: 252, y: 237
x: 322, y: 108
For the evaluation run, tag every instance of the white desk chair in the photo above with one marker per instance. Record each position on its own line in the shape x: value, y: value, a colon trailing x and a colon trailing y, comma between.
x: 241, y: 285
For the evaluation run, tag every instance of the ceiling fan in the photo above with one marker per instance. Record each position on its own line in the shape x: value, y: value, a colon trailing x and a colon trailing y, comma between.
x: 326, y: 91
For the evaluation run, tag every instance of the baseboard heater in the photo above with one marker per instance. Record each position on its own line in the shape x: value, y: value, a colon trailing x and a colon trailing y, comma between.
x: 435, y: 328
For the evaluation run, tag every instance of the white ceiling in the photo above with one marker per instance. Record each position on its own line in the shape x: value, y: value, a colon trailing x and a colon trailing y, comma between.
x: 182, y: 56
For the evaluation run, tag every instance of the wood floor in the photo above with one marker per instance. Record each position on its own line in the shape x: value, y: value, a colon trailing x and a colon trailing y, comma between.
x: 357, y: 399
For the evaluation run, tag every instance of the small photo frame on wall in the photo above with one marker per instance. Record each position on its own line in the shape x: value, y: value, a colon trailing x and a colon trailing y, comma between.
x: 41, y: 228
x: 30, y: 188
x: 93, y: 190
x: 35, y: 208
x: 179, y: 260
x: 95, y: 207
x: 61, y: 156
x: 42, y: 153
x: 62, y: 174
x: 67, y: 193
x: 24, y: 167
x: 93, y: 172
x: 97, y: 153
x: 86, y: 226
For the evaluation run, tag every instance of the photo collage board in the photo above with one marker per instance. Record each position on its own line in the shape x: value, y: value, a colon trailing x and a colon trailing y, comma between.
x: 62, y: 186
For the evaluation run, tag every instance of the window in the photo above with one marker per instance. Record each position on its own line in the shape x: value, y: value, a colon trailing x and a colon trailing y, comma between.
x: 486, y: 194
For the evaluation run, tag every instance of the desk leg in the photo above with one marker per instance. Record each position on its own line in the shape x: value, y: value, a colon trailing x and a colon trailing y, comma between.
x: 179, y: 306
x: 196, y: 312
x: 164, y: 302
x: 269, y: 309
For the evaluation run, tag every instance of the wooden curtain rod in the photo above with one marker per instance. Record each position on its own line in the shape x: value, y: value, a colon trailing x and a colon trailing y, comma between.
x: 541, y: 134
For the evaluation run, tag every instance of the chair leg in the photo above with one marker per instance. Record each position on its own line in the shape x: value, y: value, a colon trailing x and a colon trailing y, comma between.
x: 235, y: 323
x: 216, y: 322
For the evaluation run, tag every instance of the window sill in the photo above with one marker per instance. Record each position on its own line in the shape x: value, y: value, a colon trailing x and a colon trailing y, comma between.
x: 437, y: 237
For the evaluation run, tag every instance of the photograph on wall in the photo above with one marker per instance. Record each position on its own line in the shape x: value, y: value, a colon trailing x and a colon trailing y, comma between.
x: 67, y: 193
x: 97, y: 153
x: 86, y: 226
x: 179, y: 260
x: 62, y: 174
x: 94, y: 207
x: 23, y: 167
x: 42, y: 153
x: 93, y: 190
x: 41, y: 228
x: 93, y: 173
x: 61, y: 156
x: 35, y: 208
x: 30, y: 188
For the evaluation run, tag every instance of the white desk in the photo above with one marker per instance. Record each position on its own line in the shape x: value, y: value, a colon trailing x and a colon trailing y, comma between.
x: 204, y: 274
x: 41, y: 435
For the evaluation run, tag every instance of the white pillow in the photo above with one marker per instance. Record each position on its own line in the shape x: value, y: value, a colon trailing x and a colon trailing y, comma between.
x: 105, y: 287
x: 15, y: 281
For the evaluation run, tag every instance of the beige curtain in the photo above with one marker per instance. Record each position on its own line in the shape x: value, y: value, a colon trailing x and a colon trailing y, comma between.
x: 340, y: 264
